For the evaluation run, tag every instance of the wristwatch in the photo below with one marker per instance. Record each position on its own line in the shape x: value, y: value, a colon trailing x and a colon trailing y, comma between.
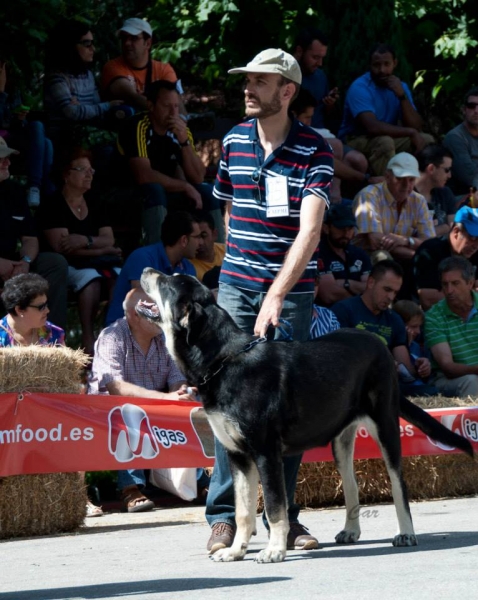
x: 26, y: 258
x: 184, y: 144
x: 347, y: 287
x: 411, y: 242
x: 89, y: 242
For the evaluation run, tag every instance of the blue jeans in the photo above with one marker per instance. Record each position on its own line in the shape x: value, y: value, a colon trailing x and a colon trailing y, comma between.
x: 138, y: 477
x: 244, y: 306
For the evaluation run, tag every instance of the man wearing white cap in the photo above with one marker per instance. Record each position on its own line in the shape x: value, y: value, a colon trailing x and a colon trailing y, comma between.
x: 274, y: 176
x: 126, y: 77
x: 391, y: 215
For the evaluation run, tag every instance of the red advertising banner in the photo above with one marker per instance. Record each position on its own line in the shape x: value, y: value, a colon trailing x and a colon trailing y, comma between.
x: 47, y: 433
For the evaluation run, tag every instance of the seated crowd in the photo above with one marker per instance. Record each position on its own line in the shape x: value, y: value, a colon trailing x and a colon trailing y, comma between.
x: 397, y: 257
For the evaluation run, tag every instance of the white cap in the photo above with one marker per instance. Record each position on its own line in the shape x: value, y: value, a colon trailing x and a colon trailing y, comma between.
x: 135, y: 26
x: 5, y: 150
x: 404, y: 164
x: 273, y: 60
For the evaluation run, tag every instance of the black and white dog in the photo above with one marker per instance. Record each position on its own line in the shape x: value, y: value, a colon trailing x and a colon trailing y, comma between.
x: 266, y: 399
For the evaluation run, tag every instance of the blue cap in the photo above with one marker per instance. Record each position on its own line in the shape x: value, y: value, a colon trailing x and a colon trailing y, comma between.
x: 469, y: 218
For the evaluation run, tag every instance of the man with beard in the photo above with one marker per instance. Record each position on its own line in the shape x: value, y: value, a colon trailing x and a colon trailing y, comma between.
x: 343, y: 268
x: 380, y: 117
x: 462, y: 141
x: 274, y: 175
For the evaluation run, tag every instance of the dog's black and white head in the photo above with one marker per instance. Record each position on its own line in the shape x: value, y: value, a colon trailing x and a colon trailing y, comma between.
x: 180, y: 305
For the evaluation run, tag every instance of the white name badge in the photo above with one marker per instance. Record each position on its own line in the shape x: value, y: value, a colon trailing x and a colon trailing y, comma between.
x: 277, y: 197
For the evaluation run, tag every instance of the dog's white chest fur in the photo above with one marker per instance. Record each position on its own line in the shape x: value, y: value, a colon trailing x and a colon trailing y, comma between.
x: 225, y: 430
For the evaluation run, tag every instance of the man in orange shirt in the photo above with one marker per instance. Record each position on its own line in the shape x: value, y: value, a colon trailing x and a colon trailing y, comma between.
x: 126, y: 77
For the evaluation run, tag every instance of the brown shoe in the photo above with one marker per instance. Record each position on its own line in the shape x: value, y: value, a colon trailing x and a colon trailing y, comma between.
x: 222, y: 536
x: 299, y: 538
x: 134, y: 501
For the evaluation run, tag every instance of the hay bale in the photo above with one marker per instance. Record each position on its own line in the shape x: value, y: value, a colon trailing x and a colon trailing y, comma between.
x: 41, y: 504
x: 427, y: 477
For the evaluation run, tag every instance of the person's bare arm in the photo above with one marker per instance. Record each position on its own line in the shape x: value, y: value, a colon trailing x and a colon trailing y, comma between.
x: 307, y: 240
x: 374, y: 128
x: 443, y: 356
x: 332, y: 290
x: 123, y: 388
x: 192, y: 165
x: 122, y: 89
x: 428, y: 297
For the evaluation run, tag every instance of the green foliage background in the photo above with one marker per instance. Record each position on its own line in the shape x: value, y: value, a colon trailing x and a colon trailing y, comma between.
x: 435, y: 39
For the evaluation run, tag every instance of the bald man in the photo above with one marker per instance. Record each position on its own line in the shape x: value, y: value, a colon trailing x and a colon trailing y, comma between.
x: 131, y: 360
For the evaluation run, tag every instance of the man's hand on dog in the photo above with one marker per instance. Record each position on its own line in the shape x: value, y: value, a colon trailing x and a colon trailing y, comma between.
x: 268, y: 315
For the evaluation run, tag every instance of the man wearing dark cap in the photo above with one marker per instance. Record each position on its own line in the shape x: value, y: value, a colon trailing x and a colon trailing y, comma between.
x: 343, y: 268
x: 461, y: 241
x: 127, y: 77
x: 274, y: 176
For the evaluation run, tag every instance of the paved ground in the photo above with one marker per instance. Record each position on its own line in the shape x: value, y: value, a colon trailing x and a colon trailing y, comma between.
x: 161, y: 555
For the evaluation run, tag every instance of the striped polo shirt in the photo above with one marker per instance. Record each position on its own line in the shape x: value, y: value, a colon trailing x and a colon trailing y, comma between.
x: 443, y: 325
x: 257, y: 245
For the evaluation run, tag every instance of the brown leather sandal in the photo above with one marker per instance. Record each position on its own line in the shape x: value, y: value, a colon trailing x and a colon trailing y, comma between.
x: 134, y: 501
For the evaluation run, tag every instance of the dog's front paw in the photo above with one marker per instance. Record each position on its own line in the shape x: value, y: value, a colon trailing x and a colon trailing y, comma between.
x: 347, y: 536
x: 227, y: 555
x: 270, y: 555
x: 405, y: 539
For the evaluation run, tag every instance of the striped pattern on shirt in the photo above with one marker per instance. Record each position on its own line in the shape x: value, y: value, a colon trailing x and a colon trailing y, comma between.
x: 376, y: 212
x: 257, y: 245
x: 73, y: 97
x: 323, y: 321
x: 443, y: 325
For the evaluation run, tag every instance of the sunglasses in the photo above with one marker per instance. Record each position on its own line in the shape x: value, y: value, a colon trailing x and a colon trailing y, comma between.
x: 256, y: 178
x: 86, y: 43
x: 39, y: 307
x: 471, y: 105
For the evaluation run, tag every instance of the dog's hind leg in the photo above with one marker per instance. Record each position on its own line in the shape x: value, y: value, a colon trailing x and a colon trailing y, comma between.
x: 271, y: 471
x: 343, y: 449
x: 246, y: 480
x: 387, y: 436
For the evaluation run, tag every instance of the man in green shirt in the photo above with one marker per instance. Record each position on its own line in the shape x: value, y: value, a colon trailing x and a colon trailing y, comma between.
x: 451, y: 329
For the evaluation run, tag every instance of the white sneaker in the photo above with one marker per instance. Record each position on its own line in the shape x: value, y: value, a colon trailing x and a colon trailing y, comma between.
x: 33, y: 197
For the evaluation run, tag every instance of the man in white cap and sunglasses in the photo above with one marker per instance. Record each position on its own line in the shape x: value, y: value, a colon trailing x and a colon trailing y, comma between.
x: 274, y: 176
x: 126, y: 77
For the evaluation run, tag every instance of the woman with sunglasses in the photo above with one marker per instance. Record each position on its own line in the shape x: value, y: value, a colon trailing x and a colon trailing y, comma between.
x: 72, y: 221
x: 71, y: 96
x: 25, y: 300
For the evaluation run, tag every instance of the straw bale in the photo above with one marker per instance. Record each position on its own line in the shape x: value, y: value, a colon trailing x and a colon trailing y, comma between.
x: 41, y: 369
x: 41, y: 504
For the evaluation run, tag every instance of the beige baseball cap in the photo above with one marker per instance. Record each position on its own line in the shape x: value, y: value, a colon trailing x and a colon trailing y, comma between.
x: 404, y: 164
x: 273, y: 60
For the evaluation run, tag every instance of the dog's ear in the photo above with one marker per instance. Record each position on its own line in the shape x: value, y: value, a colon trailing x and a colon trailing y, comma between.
x: 194, y: 321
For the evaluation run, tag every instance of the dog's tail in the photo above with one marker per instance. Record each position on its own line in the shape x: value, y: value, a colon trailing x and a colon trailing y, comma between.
x: 433, y: 428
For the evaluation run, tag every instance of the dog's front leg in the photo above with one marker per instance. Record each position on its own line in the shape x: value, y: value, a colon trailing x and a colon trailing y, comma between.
x: 246, y: 480
x: 271, y: 472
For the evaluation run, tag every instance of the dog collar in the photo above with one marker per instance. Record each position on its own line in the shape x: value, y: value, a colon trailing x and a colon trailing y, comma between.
x: 246, y: 348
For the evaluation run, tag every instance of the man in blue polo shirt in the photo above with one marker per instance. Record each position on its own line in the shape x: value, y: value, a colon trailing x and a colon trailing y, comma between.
x: 380, y: 117
x: 274, y: 175
x: 181, y: 240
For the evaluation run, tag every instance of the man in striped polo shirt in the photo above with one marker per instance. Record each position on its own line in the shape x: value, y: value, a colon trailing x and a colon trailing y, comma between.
x: 274, y: 175
x: 451, y: 329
